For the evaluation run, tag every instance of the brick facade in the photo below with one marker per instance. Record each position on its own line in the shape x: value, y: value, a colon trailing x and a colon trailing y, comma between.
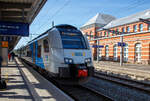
x: 136, y: 37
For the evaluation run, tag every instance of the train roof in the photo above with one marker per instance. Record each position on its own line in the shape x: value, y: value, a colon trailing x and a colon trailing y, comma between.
x: 57, y: 26
x: 43, y: 34
x: 65, y: 26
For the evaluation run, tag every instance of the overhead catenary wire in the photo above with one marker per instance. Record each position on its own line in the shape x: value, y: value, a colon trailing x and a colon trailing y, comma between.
x: 134, y: 4
x: 43, y: 16
x: 57, y: 11
x: 47, y: 14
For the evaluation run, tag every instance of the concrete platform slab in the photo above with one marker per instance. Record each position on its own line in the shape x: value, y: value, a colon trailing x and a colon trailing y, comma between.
x: 25, y: 84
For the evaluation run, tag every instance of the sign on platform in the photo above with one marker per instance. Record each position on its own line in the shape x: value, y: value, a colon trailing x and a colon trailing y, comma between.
x: 97, y: 46
x: 4, y: 44
x: 121, y: 44
x: 14, y: 28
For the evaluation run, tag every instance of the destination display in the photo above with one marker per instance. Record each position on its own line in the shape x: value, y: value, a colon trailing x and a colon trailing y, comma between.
x: 14, y: 28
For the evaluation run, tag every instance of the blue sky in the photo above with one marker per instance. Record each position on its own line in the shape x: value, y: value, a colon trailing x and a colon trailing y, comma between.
x: 78, y: 12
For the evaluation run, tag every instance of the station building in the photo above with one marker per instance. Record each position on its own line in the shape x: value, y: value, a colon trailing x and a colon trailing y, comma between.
x: 106, y: 31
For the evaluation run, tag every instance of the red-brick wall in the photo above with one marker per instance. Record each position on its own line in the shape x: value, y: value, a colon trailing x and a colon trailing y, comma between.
x: 143, y: 38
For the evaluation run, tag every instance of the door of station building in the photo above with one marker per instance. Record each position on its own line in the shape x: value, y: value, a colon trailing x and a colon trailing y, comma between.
x: 138, y: 52
x: 100, y: 53
x: 125, y: 52
x: 115, y: 50
x: 107, y: 52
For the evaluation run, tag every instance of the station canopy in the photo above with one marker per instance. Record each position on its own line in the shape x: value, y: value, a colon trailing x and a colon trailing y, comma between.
x: 18, y: 11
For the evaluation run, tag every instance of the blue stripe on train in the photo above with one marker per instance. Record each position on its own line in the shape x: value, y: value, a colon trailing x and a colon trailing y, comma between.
x: 38, y: 61
x: 31, y: 48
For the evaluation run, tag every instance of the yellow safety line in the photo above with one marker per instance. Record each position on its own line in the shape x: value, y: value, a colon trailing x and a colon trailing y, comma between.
x: 6, y: 77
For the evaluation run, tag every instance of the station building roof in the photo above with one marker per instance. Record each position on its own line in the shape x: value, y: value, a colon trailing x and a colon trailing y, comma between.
x: 99, y: 19
x: 129, y: 19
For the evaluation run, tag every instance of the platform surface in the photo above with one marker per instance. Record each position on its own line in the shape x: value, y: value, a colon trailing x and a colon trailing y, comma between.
x: 137, y: 70
x: 25, y: 84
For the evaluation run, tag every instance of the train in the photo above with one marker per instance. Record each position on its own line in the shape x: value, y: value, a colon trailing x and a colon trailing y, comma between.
x: 62, y: 51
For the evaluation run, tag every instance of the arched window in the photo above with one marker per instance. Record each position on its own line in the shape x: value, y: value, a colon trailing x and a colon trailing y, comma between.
x: 117, y: 30
x: 100, y: 53
x: 115, y: 52
x: 107, y: 52
x: 100, y: 34
x: 125, y: 49
x: 91, y: 34
x: 148, y: 26
x: 141, y: 27
x: 138, y: 52
x: 105, y: 34
x: 135, y: 28
x: 123, y: 29
x: 108, y: 33
x: 128, y: 29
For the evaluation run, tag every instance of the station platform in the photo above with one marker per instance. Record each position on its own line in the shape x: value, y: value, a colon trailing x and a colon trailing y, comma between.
x: 133, y: 71
x: 25, y: 84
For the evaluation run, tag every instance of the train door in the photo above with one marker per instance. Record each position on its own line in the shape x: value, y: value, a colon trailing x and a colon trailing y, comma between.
x: 34, y: 47
x: 46, y: 53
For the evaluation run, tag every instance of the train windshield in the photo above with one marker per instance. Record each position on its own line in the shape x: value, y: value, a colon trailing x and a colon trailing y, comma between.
x: 73, y: 40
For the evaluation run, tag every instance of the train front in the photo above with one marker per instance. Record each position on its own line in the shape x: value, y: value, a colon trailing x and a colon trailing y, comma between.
x: 77, y: 56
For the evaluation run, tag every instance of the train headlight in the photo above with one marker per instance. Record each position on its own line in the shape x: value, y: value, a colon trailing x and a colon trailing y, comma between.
x: 88, y: 60
x: 68, y: 60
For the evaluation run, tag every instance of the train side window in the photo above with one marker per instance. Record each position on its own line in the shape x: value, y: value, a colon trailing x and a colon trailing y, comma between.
x: 29, y: 53
x: 46, y: 46
x: 39, y: 51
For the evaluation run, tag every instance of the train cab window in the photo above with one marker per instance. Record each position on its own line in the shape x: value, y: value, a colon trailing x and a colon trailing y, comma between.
x: 39, y: 52
x: 73, y: 41
x: 46, y: 45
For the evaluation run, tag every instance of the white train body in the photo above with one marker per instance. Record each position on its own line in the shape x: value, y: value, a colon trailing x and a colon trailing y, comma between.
x: 62, y: 51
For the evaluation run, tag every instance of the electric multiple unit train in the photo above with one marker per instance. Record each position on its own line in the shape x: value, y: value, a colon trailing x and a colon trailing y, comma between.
x: 63, y: 51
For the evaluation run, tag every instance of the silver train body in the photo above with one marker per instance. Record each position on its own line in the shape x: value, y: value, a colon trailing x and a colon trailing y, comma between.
x: 63, y: 51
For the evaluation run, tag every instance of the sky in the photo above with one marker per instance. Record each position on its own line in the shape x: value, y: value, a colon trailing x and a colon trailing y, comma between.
x: 78, y: 12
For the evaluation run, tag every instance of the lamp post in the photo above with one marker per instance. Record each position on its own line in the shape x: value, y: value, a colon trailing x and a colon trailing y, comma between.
x: 97, y: 50
x: 121, y: 50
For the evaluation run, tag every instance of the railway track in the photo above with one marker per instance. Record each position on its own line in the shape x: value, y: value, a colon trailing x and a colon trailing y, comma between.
x: 83, y: 93
x: 77, y: 92
x: 142, y: 86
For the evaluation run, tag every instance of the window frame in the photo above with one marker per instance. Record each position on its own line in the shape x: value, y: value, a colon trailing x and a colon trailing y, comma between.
x: 148, y: 27
x: 123, y: 29
x: 115, y: 51
x: 128, y: 29
x: 140, y: 27
x: 107, y: 52
x: 46, y: 46
x: 138, y: 52
x: 135, y: 28
x: 125, y: 51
